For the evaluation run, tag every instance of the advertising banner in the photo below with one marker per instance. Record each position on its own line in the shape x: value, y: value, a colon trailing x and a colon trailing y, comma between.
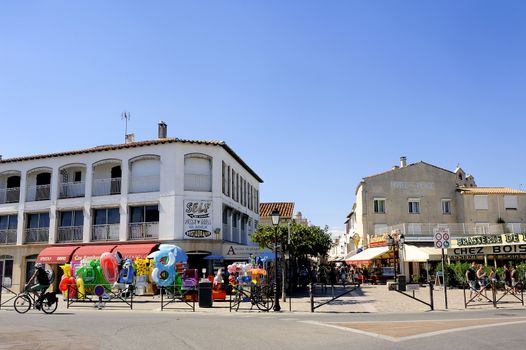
x: 198, y: 219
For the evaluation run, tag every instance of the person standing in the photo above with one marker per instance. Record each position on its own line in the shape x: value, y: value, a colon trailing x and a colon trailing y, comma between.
x: 471, y: 277
x: 514, y: 279
x: 507, y: 277
x: 481, y: 278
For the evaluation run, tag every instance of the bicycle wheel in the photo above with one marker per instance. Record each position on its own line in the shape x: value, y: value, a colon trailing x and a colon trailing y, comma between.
x: 264, y: 298
x: 22, y: 304
x: 49, y: 305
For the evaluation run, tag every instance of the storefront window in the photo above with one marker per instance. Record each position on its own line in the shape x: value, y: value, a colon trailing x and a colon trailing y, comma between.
x: 6, y: 270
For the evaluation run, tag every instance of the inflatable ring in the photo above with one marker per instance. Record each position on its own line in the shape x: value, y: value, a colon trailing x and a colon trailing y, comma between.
x: 161, y: 256
x: 63, y: 286
x: 110, y: 267
x: 163, y: 276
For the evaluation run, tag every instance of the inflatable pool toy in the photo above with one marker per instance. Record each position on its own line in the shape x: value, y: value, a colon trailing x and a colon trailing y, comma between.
x: 110, y: 267
x: 81, y: 292
x: 126, y: 274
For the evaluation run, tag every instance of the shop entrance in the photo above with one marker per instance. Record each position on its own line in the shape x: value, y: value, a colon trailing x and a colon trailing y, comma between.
x: 196, y: 261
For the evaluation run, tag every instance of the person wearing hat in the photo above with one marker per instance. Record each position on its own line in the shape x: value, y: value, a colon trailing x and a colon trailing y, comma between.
x: 42, y: 282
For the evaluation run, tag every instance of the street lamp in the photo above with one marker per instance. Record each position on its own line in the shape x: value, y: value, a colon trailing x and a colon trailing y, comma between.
x: 275, y: 223
x: 395, y: 241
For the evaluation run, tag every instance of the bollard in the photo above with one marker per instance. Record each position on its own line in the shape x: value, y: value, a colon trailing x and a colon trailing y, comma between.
x: 311, y: 297
x: 431, y: 300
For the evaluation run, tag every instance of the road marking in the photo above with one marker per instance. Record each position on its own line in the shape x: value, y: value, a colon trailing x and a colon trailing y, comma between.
x: 349, y: 327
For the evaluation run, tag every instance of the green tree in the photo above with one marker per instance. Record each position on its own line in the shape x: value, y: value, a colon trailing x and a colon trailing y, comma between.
x: 304, y: 240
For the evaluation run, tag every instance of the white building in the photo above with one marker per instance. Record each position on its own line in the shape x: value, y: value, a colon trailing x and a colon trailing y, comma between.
x: 199, y: 195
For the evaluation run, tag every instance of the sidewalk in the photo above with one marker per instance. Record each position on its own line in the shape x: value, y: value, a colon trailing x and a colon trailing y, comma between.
x: 367, y: 299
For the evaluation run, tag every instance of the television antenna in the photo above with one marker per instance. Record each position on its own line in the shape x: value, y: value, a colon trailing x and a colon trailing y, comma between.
x: 126, y: 116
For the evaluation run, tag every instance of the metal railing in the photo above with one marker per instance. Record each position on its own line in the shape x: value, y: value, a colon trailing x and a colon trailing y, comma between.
x: 70, y: 234
x: 106, y: 187
x: 109, y: 232
x: 36, y: 235
x: 140, y: 184
x: 194, y: 182
x: 8, y: 236
x: 38, y: 193
x: 143, y: 230
x: 10, y: 195
x: 72, y: 189
x: 424, y: 231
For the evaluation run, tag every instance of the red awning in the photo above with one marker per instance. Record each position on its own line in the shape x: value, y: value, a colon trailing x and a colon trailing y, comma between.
x: 133, y: 251
x: 92, y: 251
x: 56, y: 254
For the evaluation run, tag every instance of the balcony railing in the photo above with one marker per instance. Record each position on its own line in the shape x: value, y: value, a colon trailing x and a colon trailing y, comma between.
x: 10, y: 195
x: 108, y: 232
x: 106, y: 187
x: 72, y: 189
x: 193, y: 182
x: 8, y: 236
x: 140, y: 184
x: 144, y: 230
x: 38, y: 193
x: 424, y: 231
x: 226, y: 232
x: 70, y: 234
x: 37, y: 235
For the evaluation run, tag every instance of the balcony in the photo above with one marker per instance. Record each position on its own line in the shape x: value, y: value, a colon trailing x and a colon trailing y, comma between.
x: 70, y: 234
x: 72, y: 189
x: 37, y: 235
x: 38, y: 193
x: 424, y: 232
x: 141, y: 184
x: 8, y: 237
x: 9, y: 195
x: 144, y: 230
x: 106, y: 187
x: 109, y: 232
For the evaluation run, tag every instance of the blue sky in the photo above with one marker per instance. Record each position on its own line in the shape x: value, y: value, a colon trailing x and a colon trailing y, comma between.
x: 313, y: 95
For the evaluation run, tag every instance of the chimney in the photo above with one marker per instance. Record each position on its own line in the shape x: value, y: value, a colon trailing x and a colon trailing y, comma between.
x: 403, y: 162
x: 162, y: 129
x: 130, y: 138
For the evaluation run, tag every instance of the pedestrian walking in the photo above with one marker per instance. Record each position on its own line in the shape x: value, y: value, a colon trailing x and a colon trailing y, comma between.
x: 471, y: 278
x: 481, y: 278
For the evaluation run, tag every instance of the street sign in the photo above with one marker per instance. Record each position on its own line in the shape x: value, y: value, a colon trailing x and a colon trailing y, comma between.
x: 441, y: 237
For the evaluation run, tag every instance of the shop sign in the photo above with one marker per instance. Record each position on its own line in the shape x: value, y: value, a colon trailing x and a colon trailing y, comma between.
x: 237, y: 251
x: 492, y: 250
x: 198, y: 219
x: 492, y: 239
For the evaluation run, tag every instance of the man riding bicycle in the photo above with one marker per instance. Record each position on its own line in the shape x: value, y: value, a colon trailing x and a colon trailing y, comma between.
x: 42, y: 282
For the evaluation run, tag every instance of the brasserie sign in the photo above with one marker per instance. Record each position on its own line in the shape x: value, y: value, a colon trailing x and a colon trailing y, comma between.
x: 488, y: 240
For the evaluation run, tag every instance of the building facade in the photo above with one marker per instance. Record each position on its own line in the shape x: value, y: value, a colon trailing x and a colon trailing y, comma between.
x: 415, y: 198
x: 199, y: 195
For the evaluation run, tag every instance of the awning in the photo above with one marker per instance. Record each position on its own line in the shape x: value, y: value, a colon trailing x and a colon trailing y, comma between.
x: 91, y: 251
x: 133, y: 251
x: 366, y: 256
x: 56, y: 254
x: 214, y: 257
x: 421, y: 254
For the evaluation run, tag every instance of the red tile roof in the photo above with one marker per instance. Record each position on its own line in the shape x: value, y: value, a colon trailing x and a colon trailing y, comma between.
x: 489, y: 190
x: 286, y: 209
x: 134, y: 145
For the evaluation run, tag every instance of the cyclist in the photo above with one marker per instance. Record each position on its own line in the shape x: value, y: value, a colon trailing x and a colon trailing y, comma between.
x: 41, y: 285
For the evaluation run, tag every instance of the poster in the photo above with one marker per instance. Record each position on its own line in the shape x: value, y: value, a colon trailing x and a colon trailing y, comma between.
x: 198, y: 219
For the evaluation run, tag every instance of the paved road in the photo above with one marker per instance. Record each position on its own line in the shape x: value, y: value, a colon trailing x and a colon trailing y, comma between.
x: 140, y: 329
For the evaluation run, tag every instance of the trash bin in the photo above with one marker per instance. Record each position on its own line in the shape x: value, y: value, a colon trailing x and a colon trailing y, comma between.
x: 205, y: 293
x: 400, y: 279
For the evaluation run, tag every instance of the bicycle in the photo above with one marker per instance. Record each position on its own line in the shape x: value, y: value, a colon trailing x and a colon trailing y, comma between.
x: 260, y: 296
x: 25, y: 300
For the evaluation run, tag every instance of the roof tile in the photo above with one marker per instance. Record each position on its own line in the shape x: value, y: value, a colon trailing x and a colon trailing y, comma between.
x: 286, y: 209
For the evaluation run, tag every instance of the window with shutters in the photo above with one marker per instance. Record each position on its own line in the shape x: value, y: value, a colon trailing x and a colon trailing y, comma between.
x: 198, y: 173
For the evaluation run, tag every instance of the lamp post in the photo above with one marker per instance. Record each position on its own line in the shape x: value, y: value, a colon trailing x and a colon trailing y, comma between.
x: 275, y: 223
x: 395, y: 241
